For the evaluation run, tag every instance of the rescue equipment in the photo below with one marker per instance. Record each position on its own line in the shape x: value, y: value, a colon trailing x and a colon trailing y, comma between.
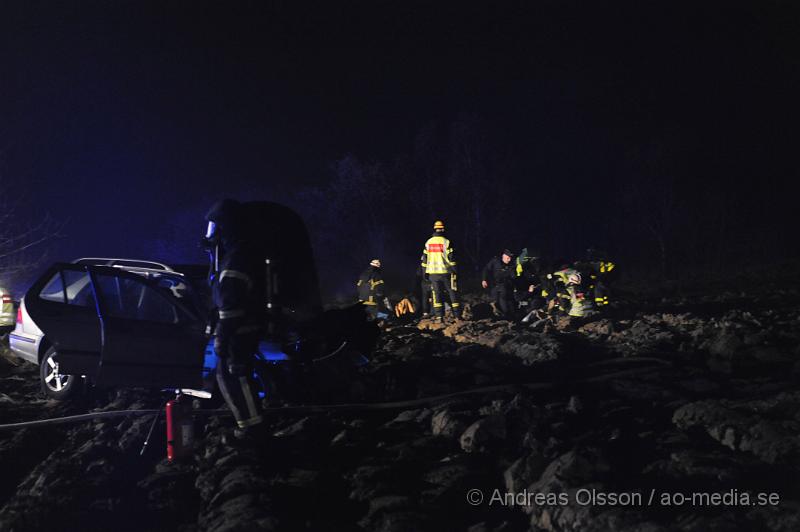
x: 180, y: 427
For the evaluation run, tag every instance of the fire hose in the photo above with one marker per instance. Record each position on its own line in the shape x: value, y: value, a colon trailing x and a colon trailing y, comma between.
x: 343, y: 407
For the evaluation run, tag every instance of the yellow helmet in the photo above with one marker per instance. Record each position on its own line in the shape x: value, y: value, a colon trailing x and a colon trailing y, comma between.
x: 438, y: 225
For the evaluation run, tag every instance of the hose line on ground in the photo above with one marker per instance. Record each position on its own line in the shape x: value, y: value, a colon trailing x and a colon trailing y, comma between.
x: 343, y: 407
x: 78, y: 418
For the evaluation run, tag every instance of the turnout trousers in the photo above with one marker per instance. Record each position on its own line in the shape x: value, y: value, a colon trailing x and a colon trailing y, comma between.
x: 445, y: 283
x: 503, y: 296
x: 235, y: 378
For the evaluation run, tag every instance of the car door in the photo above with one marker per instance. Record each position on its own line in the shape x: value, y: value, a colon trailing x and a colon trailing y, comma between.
x: 62, y: 303
x: 149, y: 337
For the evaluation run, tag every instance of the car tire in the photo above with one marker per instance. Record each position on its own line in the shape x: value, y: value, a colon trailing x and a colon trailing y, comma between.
x: 54, y: 384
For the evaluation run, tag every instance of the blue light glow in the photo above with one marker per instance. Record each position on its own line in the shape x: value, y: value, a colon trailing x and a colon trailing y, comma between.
x: 271, y: 352
x: 267, y: 351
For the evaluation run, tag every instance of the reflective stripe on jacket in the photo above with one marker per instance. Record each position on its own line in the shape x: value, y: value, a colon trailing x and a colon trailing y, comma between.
x: 437, y: 256
x: 370, y: 286
x: 239, y: 292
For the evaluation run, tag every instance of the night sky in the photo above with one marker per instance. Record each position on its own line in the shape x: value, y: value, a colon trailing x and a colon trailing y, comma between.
x: 125, y: 120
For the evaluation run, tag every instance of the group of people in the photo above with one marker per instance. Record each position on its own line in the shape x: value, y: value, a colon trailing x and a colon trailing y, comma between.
x: 522, y: 286
x: 527, y: 282
x: 437, y: 275
x: 264, y: 285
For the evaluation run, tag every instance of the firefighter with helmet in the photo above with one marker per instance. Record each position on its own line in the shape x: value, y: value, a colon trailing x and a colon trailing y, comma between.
x: 570, y: 293
x: 439, y: 267
x: 600, y: 271
x: 370, y: 291
x: 238, y: 286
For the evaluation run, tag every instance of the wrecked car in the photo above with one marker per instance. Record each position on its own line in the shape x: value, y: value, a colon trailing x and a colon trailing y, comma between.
x: 82, y: 319
x: 137, y: 325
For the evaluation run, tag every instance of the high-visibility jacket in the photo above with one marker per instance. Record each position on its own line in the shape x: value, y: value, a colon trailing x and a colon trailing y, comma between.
x: 437, y: 256
x: 568, y: 276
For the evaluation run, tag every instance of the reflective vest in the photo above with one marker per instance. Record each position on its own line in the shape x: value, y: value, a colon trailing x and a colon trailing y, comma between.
x: 569, y: 276
x: 579, y: 306
x: 437, y: 257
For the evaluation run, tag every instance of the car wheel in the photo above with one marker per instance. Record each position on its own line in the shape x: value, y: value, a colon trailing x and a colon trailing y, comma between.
x: 55, y: 384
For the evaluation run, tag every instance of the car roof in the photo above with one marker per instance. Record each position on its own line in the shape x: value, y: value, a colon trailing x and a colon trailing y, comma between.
x: 143, y: 267
x: 123, y: 263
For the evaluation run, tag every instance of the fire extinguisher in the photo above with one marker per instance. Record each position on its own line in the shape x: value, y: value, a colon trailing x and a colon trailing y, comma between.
x: 180, y: 427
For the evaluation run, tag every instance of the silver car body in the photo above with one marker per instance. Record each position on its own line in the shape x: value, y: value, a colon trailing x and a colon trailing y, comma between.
x: 28, y: 342
x: 26, y: 338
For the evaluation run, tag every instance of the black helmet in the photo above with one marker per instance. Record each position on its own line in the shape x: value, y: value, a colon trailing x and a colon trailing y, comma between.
x: 223, y: 220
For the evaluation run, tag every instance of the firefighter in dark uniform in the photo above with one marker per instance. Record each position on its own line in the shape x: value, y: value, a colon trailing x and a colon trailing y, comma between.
x: 238, y: 286
x: 500, y: 274
x: 370, y: 291
x: 601, y: 272
x: 530, y: 271
x: 439, y: 264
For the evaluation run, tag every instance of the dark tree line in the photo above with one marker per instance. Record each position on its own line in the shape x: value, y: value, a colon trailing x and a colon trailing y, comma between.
x: 665, y: 206
x: 657, y: 206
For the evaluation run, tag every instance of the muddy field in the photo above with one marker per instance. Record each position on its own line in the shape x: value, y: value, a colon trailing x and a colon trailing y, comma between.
x: 677, y: 413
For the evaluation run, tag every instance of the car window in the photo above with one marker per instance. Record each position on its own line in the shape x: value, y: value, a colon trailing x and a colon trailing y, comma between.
x: 78, y: 288
x: 134, y: 300
x: 182, y: 290
x: 176, y: 286
x: 54, y: 289
x: 71, y: 287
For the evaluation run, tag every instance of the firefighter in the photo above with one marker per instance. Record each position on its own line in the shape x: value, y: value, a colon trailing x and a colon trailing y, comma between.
x: 500, y: 273
x: 601, y: 271
x: 570, y: 293
x: 238, y: 286
x: 370, y: 291
x: 531, y: 285
x: 552, y: 289
x: 530, y: 271
x: 439, y: 264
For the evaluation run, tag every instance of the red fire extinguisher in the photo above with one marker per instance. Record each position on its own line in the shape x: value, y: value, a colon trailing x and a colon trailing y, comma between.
x: 180, y: 427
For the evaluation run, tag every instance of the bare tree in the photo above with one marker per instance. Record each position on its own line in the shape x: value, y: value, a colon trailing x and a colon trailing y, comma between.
x: 23, y: 244
x: 361, y: 192
x: 476, y: 184
x: 429, y: 175
x: 651, y: 199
